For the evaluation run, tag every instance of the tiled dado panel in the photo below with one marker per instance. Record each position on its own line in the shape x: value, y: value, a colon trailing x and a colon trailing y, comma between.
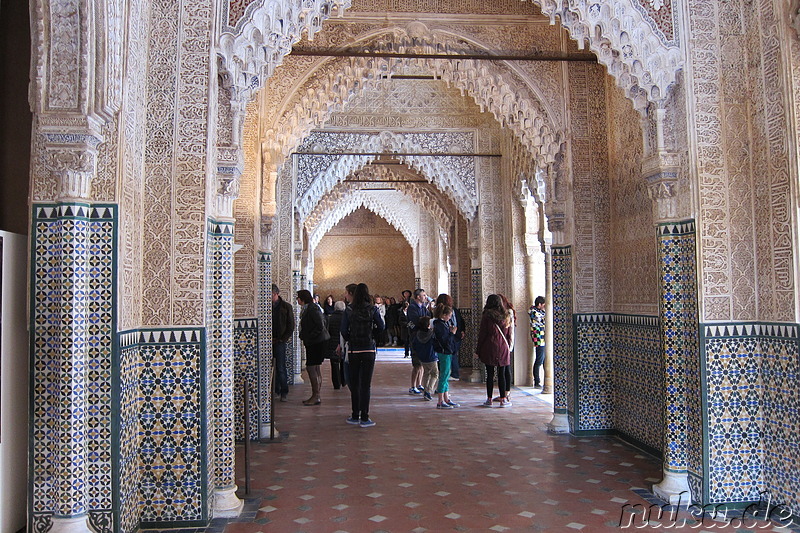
x: 563, y: 364
x: 73, y: 317
x: 245, y: 354
x: 752, y: 411
x: 220, y: 355
x: 780, y: 366
x: 619, y: 385
x: 173, y: 471
x: 467, y: 348
x: 639, y: 380
x: 593, y: 369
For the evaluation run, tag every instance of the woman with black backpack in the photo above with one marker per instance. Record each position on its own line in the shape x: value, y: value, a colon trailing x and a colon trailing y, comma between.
x: 360, y: 325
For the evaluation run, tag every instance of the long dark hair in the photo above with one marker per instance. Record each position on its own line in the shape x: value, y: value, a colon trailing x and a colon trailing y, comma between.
x: 494, y: 308
x: 305, y: 296
x: 509, y: 307
x: 361, y: 295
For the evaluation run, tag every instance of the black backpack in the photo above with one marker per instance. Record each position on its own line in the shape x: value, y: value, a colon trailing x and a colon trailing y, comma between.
x: 361, y: 324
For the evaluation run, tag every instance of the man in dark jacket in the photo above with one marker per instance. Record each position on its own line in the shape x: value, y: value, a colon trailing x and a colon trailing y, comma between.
x: 282, y: 329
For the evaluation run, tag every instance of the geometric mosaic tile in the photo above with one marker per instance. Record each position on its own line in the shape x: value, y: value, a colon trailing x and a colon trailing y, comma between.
x: 683, y: 452
x: 220, y: 355
x: 73, y: 320
x: 619, y: 377
x: 563, y: 348
x: 752, y: 411
x: 264, y: 366
x: 171, y: 436
x: 245, y: 341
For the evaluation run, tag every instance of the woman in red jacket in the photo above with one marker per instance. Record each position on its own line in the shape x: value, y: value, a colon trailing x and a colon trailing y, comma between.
x: 494, y: 347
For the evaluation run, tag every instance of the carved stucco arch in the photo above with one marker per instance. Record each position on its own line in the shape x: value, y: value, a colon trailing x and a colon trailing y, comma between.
x: 438, y: 170
x: 627, y: 41
x: 625, y: 38
x: 354, y: 198
x: 330, y: 84
x: 255, y: 39
x: 437, y: 206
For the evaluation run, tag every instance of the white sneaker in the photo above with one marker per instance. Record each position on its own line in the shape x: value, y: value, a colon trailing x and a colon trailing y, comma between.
x: 505, y: 403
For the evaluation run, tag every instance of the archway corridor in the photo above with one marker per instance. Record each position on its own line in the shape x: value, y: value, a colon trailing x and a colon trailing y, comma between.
x: 632, y: 161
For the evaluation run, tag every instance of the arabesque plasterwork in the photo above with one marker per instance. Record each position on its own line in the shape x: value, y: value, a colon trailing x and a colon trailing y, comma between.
x: 319, y: 173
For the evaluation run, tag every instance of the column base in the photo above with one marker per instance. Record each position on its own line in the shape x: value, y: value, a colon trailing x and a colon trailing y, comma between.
x: 226, y: 503
x: 475, y: 376
x: 264, y: 432
x: 559, y: 423
x: 72, y: 524
x: 674, y: 489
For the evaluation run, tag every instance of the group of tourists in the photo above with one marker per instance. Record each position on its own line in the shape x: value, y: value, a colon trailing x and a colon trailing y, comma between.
x: 349, y: 332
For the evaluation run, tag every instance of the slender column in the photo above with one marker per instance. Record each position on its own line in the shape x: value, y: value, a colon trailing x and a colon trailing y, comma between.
x: 296, y: 364
x: 265, y: 361
x: 71, y: 295
x: 559, y: 324
x: 679, y: 321
x: 219, y: 326
x: 548, y: 383
x: 476, y: 296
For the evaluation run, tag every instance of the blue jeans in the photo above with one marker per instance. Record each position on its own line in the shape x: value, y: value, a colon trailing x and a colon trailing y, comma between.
x: 537, y: 364
x: 362, y: 365
x: 281, y: 384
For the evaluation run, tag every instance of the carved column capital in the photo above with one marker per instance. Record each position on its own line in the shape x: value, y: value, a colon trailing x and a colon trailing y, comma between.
x: 227, y: 191
x: 265, y: 233
x: 556, y: 223
x: 794, y: 16
x: 661, y: 173
x: 72, y: 162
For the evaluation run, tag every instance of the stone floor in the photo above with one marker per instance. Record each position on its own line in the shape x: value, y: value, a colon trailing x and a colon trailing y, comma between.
x: 422, y: 469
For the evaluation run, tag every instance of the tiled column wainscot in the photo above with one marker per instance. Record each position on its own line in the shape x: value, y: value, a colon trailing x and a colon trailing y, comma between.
x: 265, y: 361
x: 683, y: 419
x: 171, y: 429
x: 245, y: 353
x: 563, y: 349
x: 73, y: 317
x: 751, y: 408
x: 219, y: 323
x: 476, y: 295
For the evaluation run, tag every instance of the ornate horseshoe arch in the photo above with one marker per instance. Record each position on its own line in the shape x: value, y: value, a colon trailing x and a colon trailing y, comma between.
x: 319, y: 221
x: 351, y: 200
x: 331, y: 83
x: 641, y: 51
x: 255, y: 36
x: 319, y: 174
x: 643, y: 54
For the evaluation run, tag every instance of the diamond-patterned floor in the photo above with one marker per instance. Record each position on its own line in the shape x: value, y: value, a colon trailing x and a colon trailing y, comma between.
x: 422, y: 469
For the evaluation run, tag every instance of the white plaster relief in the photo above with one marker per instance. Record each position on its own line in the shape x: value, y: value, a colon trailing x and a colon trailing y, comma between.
x: 490, y: 86
x: 388, y: 205
x: 454, y: 175
x: 640, y: 59
x: 249, y: 52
